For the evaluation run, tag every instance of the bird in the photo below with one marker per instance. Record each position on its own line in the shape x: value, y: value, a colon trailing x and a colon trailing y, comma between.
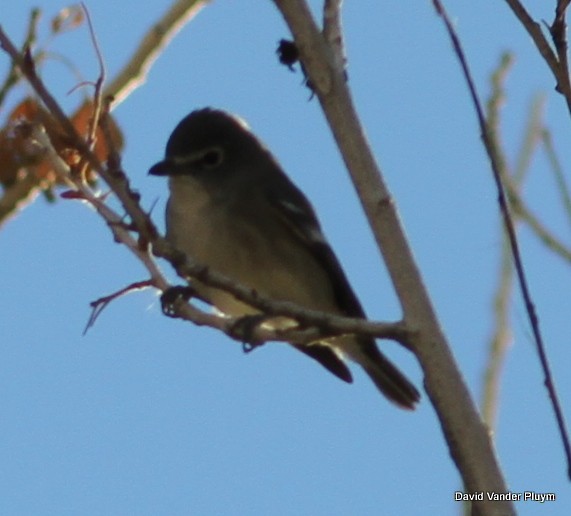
x: 233, y: 209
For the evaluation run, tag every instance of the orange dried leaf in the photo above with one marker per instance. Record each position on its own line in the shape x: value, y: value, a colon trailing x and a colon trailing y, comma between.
x: 27, y: 109
x: 82, y: 122
x: 15, y: 146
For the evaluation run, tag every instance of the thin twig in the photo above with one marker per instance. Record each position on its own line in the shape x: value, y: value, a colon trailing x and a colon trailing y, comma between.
x: 13, y: 75
x: 531, y: 139
x: 539, y: 229
x: 135, y: 72
x: 508, y: 221
x: 97, y: 95
x: 558, y: 31
x: 512, y: 181
x: 25, y: 190
x: 494, y: 105
x: 534, y: 30
x: 556, y: 167
x: 100, y: 304
x: 15, y: 196
x: 501, y: 339
x: 131, y: 76
x: 501, y: 334
x: 325, y: 324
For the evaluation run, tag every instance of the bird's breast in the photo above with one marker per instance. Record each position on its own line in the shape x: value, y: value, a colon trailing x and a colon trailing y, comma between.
x: 246, y: 250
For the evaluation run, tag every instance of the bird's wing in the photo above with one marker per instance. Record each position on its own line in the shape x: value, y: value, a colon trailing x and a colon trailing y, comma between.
x: 296, y: 213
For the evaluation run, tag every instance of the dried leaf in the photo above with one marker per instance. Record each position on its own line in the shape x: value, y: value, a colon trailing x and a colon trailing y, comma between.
x: 18, y: 153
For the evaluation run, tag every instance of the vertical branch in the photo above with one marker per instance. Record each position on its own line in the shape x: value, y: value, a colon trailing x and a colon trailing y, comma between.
x: 500, y: 340
x: 333, y: 32
x: 94, y: 123
x: 558, y: 68
x: 13, y: 74
x: 467, y: 436
x: 560, y: 179
x: 532, y: 137
x: 510, y: 229
x: 501, y: 333
x: 501, y: 336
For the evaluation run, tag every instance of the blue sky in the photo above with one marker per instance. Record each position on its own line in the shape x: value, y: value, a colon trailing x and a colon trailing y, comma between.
x: 148, y: 416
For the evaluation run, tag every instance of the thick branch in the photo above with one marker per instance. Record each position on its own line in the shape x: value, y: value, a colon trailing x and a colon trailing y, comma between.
x: 467, y: 436
x: 322, y: 322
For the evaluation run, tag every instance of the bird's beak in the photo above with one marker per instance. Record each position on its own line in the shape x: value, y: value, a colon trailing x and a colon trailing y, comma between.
x: 162, y: 168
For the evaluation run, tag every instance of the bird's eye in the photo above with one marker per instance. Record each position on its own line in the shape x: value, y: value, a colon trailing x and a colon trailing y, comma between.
x: 211, y: 158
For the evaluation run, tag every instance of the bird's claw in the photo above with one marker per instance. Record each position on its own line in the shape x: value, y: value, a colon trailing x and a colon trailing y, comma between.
x: 171, y: 295
x: 244, y: 328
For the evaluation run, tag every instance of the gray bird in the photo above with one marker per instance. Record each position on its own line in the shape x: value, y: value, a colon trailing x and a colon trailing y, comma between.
x: 232, y: 208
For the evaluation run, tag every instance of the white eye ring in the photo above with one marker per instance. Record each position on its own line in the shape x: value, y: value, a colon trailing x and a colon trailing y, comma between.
x: 211, y: 157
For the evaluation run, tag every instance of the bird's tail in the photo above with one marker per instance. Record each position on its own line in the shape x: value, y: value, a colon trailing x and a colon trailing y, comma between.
x: 388, y: 379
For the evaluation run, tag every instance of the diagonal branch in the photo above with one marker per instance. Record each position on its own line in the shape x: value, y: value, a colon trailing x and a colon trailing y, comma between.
x: 13, y: 76
x: 466, y: 435
x: 558, y: 69
x: 512, y: 237
x: 526, y: 215
x: 558, y: 31
x: 148, y: 240
x: 556, y: 167
x: 15, y: 196
x: 152, y: 45
x: 130, y: 77
x: 333, y: 32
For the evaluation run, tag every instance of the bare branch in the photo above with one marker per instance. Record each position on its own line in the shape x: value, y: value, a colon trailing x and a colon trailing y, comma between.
x: 510, y: 229
x: 333, y: 33
x: 539, y: 229
x: 558, y: 31
x: 494, y: 105
x: 465, y: 433
x: 100, y: 304
x: 512, y: 181
x: 501, y: 335
x: 157, y: 38
x: 500, y: 340
x: 97, y: 95
x: 562, y: 184
x: 13, y: 75
x: 531, y: 139
x: 24, y: 190
x: 324, y: 324
x: 558, y: 69
x: 17, y: 195
x: 129, y: 78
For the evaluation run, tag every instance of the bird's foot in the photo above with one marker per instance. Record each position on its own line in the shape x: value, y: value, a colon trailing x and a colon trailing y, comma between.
x: 171, y: 295
x: 244, y: 330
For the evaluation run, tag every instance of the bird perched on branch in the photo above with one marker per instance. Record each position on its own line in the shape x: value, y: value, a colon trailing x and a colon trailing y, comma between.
x: 232, y: 208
